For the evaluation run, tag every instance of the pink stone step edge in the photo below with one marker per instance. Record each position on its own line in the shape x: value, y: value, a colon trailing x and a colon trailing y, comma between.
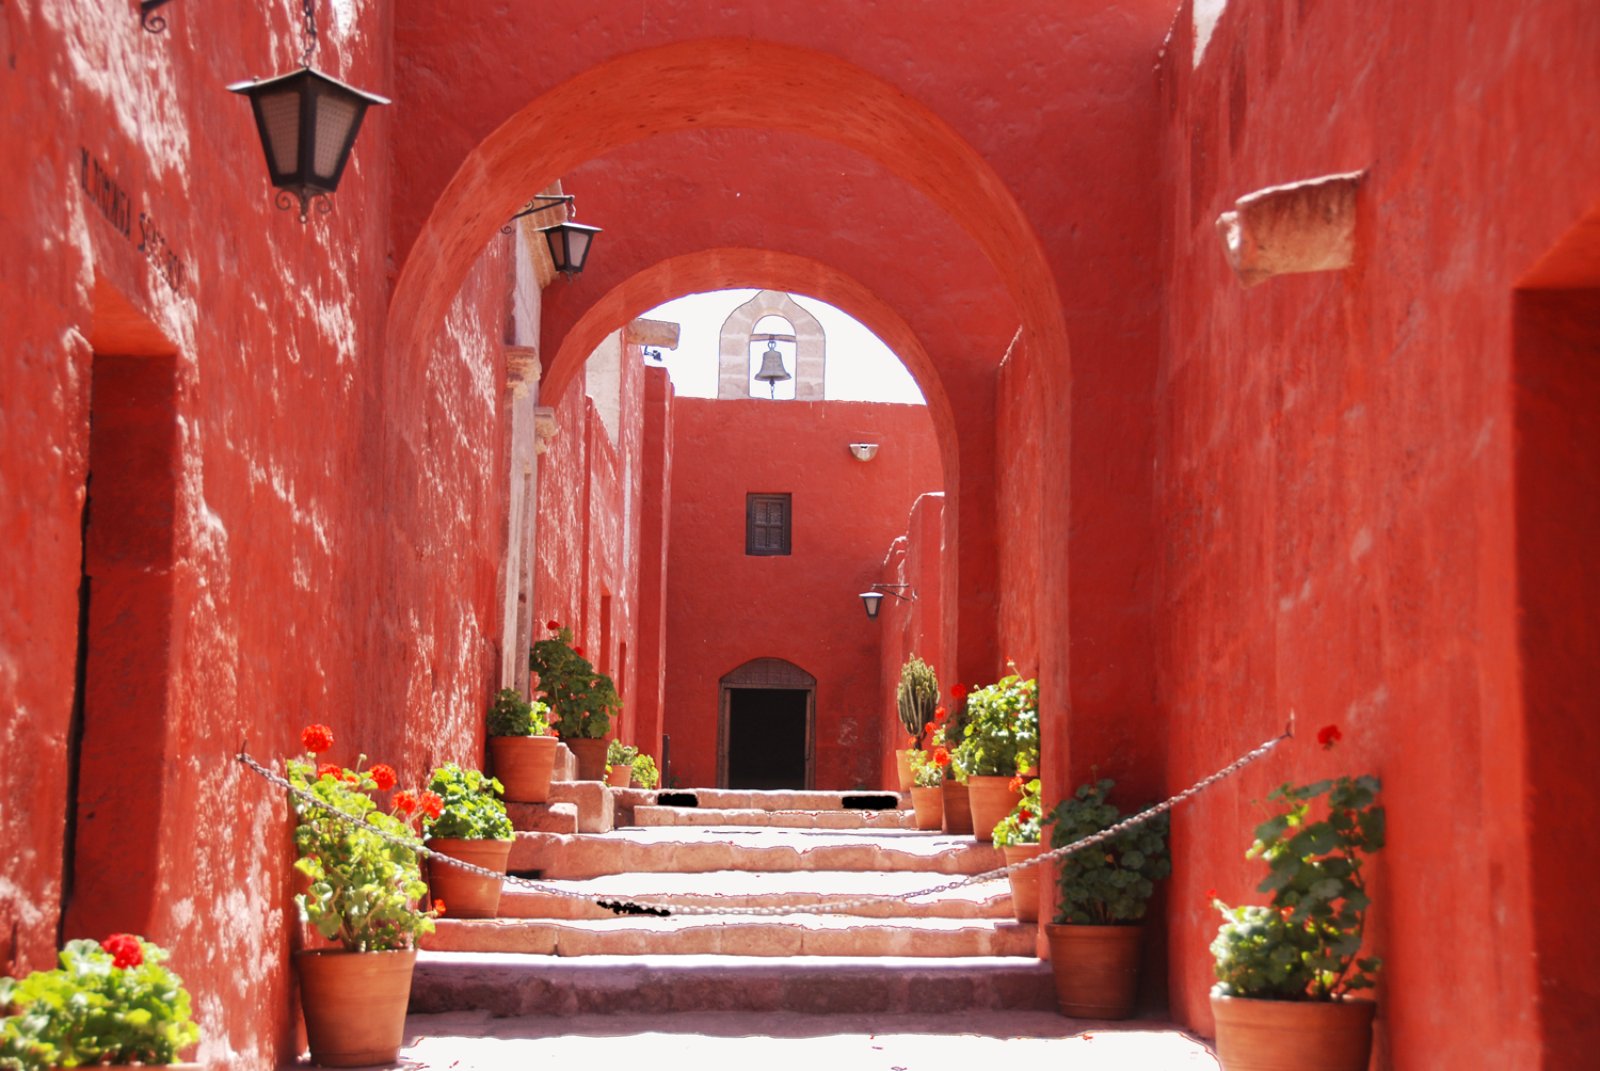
x: 821, y: 819
x: 510, y: 985
x: 737, y: 935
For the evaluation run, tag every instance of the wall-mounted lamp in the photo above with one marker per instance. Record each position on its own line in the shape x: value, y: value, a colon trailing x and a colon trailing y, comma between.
x: 653, y: 355
x: 308, y: 124
x: 148, y: 18
x: 863, y: 451
x: 873, y: 599
x: 569, y: 242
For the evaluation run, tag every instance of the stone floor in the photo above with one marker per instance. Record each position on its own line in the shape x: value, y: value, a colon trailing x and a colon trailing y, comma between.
x: 712, y: 1041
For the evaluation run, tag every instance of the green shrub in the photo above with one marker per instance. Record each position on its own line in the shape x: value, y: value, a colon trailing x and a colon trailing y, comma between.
x: 512, y: 715
x: 645, y: 774
x: 1001, y: 734
x: 1022, y: 825
x: 471, y: 807
x: 581, y: 699
x: 1112, y: 881
x: 620, y: 754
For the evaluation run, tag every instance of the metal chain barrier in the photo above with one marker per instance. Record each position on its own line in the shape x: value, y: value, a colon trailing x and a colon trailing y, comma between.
x: 831, y: 907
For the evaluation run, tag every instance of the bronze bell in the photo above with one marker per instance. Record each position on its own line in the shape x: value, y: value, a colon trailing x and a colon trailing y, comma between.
x: 772, y: 371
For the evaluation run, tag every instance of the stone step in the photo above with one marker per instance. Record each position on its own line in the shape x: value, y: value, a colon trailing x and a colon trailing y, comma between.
x: 697, y: 850
x: 736, y: 935
x: 751, y: 816
x: 770, y: 799
x: 798, y: 889
x: 509, y: 985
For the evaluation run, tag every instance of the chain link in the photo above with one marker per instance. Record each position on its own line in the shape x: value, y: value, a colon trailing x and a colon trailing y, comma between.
x: 309, y: 33
x: 830, y: 907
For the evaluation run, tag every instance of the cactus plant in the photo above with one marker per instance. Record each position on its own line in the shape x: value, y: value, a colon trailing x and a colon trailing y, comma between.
x: 918, y: 695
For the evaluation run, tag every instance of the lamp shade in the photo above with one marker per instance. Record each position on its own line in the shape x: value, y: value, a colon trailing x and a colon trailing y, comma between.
x: 308, y: 124
x: 569, y: 246
x: 872, y: 600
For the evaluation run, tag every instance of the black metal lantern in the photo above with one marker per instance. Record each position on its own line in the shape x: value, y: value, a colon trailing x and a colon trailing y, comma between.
x: 872, y: 600
x: 308, y: 124
x: 569, y: 246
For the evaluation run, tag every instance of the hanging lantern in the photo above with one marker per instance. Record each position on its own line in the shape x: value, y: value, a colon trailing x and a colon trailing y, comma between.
x: 569, y: 246
x: 308, y: 124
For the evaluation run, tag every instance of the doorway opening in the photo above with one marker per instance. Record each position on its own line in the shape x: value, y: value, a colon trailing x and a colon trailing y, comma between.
x: 766, y: 736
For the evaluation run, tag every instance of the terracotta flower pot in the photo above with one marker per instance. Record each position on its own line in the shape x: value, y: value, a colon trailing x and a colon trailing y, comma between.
x: 1024, y: 883
x: 1096, y: 969
x: 467, y: 895
x: 992, y: 799
x: 620, y: 776
x: 523, y: 764
x: 902, y: 769
x: 957, y: 809
x: 591, y: 756
x: 1293, y: 1035
x: 355, y: 1005
x: 928, y: 806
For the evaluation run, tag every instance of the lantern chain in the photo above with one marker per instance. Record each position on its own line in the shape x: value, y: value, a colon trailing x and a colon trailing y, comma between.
x: 627, y: 907
x: 309, y: 36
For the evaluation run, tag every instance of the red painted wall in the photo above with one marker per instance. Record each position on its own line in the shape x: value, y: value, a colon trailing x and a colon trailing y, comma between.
x: 725, y: 608
x: 1337, y: 466
x: 655, y: 516
x: 915, y: 627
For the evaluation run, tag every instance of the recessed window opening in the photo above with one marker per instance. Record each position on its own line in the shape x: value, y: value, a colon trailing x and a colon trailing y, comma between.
x: 767, y: 524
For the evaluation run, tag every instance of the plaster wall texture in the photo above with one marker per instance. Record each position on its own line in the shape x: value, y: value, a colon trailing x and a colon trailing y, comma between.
x: 911, y: 628
x: 725, y: 608
x: 1338, y: 466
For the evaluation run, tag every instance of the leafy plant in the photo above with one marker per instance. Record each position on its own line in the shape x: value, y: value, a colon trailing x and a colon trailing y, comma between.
x: 620, y: 754
x: 470, y: 808
x: 1022, y: 825
x: 365, y: 892
x: 1001, y: 735
x: 512, y: 715
x: 111, y: 1002
x: 925, y: 772
x: 945, y: 758
x: 1305, y: 944
x: 917, y: 696
x: 645, y: 774
x: 581, y: 699
x: 1111, y: 882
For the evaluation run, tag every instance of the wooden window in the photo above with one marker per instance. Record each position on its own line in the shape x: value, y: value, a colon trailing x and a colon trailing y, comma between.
x: 766, y: 524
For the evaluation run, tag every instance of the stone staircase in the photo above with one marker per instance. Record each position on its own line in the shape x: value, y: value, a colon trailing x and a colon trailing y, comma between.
x: 550, y: 953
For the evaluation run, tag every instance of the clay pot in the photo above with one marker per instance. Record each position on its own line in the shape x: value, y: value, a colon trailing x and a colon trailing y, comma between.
x: 591, y: 756
x: 1293, y: 1035
x: 992, y: 799
x: 467, y: 895
x: 902, y: 769
x: 1096, y: 969
x: 620, y: 776
x: 928, y: 806
x: 523, y: 764
x: 355, y: 1005
x: 1024, y: 883
x: 957, y: 809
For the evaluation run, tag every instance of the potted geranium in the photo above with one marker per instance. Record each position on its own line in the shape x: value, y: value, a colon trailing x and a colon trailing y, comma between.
x: 999, y: 741
x: 110, y: 1003
x: 619, y: 763
x: 521, y: 747
x: 363, y: 890
x: 927, y: 787
x: 645, y: 774
x: 581, y: 698
x: 1102, y: 893
x: 955, y: 803
x: 915, y: 699
x: 471, y: 826
x: 1286, y: 971
x: 1017, y: 836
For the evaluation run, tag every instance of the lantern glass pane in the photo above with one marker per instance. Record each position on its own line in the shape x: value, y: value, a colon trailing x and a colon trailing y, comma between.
x: 578, y: 247
x: 280, y: 117
x: 336, y: 114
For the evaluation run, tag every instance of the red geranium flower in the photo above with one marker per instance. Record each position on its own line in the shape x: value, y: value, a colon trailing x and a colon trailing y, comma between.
x: 958, y: 691
x: 405, y: 801
x: 911, y: 743
x: 438, y: 906
x: 577, y: 650
x: 124, y: 949
x: 1024, y: 814
x: 1015, y: 784
x: 1211, y: 894
x: 941, y: 756
x: 316, y: 738
x: 431, y: 804
x: 384, y: 775
x: 1328, y: 736
x: 939, y: 713
x: 330, y: 769
x: 553, y: 625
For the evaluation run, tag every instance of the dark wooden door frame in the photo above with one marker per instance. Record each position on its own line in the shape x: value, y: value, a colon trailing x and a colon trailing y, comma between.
x: 767, y: 673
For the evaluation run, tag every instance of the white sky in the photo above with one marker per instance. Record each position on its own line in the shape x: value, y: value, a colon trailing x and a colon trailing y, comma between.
x: 859, y: 368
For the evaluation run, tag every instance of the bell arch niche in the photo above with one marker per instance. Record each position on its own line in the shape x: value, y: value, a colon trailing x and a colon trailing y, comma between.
x: 733, y: 348
x: 766, y: 731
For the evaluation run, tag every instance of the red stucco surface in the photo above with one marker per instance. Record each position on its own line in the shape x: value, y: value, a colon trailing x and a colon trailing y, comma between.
x: 725, y: 608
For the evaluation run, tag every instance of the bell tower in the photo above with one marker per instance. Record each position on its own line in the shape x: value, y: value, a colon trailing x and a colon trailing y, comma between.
x: 754, y: 349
